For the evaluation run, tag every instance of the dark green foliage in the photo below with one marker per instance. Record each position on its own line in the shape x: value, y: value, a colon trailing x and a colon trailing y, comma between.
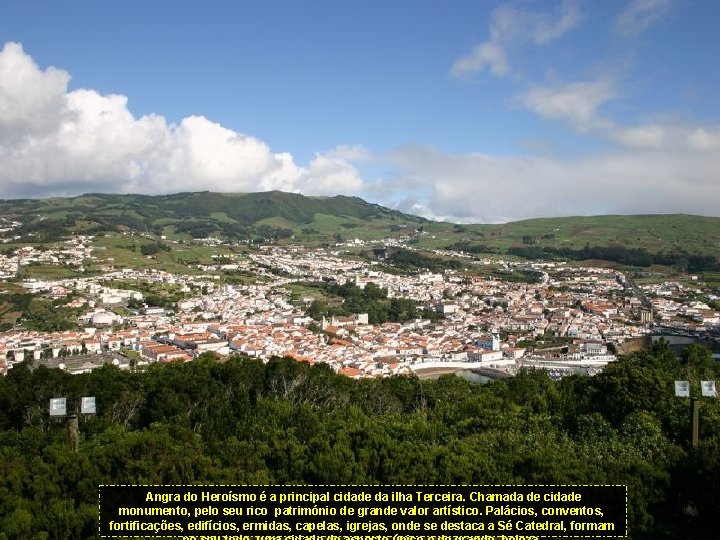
x: 242, y: 421
x: 372, y: 300
x: 16, y: 301
x: 42, y: 315
x: 469, y: 247
x: 12, y: 305
x: 412, y: 260
x: 189, y: 213
x: 620, y: 254
x: 44, y: 230
x: 154, y: 247
x: 519, y: 276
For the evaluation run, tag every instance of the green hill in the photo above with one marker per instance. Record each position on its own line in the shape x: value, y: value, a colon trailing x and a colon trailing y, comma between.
x: 653, y: 232
x: 198, y: 215
x: 638, y: 240
x: 675, y: 236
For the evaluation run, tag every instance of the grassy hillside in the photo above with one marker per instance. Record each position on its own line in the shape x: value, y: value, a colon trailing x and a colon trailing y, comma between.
x: 654, y: 233
x: 281, y: 216
x: 197, y: 215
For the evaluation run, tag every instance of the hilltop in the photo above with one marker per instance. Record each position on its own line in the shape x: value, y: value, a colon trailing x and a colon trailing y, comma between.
x: 640, y: 240
x: 241, y: 216
x: 653, y: 232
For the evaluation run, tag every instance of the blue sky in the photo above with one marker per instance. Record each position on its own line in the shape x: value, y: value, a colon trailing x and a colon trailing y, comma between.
x: 464, y: 110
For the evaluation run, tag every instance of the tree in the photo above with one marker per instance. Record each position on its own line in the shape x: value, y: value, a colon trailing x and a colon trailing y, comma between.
x: 242, y: 421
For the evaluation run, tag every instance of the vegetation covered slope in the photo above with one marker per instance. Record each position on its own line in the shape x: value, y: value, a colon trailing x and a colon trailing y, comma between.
x: 636, y: 240
x: 242, y: 421
x: 234, y: 216
x: 653, y: 233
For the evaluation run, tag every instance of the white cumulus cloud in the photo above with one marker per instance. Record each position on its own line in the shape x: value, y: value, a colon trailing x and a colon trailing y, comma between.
x: 31, y: 101
x: 54, y: 141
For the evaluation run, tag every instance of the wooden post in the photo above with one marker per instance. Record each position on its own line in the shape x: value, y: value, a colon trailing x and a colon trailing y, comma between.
x: 73, y: 430
x: 695, y: 421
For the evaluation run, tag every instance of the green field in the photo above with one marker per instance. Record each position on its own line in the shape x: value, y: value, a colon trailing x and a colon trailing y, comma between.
x: 125, y: 252
x: 652, y: 232
x: 291, y: 218
x: 49, y: 271
x: 269, y: 216
x: 655, y: 233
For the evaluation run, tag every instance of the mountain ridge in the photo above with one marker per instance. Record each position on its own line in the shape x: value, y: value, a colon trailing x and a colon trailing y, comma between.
x: 282, y: 215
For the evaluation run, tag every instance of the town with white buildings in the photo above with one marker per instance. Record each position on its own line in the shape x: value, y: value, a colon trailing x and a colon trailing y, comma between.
x: 573, y: 319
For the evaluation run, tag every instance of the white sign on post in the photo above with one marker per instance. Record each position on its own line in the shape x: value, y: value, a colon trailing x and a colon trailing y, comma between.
x: 682, y: 388
x: 57, y: 407
x: 87, y: 405
x: 708, y: 388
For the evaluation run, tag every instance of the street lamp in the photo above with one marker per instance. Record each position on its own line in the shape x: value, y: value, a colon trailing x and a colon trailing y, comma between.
x: 707, y: 389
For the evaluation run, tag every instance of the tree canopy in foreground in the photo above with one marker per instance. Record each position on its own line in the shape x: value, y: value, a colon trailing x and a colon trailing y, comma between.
x: 242, y: 421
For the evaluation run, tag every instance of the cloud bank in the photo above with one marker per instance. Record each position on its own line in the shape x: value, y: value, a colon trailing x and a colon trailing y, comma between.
x: 59, y: 142
x: 54, y: 142
x: 655, y: 167
x: 483, y: 188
